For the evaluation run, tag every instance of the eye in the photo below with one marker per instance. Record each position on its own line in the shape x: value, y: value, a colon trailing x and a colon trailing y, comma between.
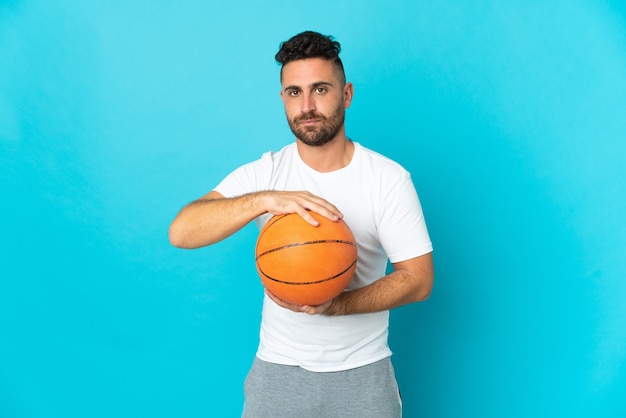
x: 293, y: 93
x: 321, y: 90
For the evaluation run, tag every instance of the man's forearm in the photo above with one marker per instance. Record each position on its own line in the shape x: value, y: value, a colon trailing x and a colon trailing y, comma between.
x: 401, y: 287
x: 212, y: 218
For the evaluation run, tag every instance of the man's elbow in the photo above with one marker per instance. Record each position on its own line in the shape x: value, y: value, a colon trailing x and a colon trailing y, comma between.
x: 424, y: 295
x: 177, y: 236
x: 425, y: 289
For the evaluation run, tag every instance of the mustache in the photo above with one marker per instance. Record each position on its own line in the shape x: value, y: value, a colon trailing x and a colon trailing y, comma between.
x: 309, y: 115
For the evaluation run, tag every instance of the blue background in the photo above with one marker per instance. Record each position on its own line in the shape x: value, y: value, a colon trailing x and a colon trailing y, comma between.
x: 113, y: 115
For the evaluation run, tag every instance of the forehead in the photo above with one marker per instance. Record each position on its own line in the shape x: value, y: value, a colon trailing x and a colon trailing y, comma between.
x: 308, y: 71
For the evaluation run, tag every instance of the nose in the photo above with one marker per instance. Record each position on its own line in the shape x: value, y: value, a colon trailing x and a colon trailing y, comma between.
x: 308, y: 103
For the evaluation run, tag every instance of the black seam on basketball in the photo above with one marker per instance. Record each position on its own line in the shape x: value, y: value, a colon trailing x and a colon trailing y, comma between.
x: 305, y: 283
x: 276, y: 219
x: 298, y: 244
x: 269, y: 224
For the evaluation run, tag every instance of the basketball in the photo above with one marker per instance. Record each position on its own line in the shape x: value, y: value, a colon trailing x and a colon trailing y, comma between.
x: 305, y: 264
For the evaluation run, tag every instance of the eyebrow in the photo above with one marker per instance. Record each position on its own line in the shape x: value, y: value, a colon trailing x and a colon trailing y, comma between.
x: 314, y: 85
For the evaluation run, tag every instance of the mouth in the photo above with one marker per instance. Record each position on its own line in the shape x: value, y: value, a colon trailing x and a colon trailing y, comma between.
x: 308, y: 121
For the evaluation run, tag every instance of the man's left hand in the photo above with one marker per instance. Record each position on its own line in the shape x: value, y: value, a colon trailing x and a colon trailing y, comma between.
x: 311, y: 310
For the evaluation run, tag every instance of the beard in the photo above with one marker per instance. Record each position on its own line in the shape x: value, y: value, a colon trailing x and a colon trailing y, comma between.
x: 321, y: 133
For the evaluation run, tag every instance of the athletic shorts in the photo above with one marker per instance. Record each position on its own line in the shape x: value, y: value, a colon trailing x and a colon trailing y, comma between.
x: 279, y: 391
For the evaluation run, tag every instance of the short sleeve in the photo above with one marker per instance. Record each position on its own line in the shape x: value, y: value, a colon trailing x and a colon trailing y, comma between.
x: 402, y: 228
x: 249, y: 178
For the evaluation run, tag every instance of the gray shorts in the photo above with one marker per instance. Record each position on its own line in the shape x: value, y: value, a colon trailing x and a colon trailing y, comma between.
x: 279, y: 391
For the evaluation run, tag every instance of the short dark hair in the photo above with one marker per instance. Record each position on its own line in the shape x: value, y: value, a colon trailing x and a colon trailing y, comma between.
x: 310, y: 44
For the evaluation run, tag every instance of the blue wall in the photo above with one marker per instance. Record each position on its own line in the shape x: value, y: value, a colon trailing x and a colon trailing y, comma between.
x: 510, y: 116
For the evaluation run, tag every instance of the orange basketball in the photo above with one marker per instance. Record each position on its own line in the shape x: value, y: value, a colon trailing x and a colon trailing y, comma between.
x: 305, y: 264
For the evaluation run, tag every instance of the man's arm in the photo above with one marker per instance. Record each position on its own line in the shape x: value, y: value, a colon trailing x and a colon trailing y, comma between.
x: 213, y: 217
x: 411, y: 281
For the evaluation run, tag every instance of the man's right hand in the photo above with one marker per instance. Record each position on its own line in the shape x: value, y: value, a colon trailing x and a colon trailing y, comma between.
x: 282, y: 203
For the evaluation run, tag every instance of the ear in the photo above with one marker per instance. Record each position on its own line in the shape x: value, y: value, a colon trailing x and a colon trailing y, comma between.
x: 348, y: 93
x: 282, y: 96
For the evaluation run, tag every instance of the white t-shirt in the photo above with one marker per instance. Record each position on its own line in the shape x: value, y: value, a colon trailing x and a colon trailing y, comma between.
x: 380, y: 205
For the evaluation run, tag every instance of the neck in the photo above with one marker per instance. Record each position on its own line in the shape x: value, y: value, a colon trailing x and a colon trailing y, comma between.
x: 331, y: 156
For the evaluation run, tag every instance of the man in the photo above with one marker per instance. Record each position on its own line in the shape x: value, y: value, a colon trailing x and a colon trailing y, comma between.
x: 332, y: 359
